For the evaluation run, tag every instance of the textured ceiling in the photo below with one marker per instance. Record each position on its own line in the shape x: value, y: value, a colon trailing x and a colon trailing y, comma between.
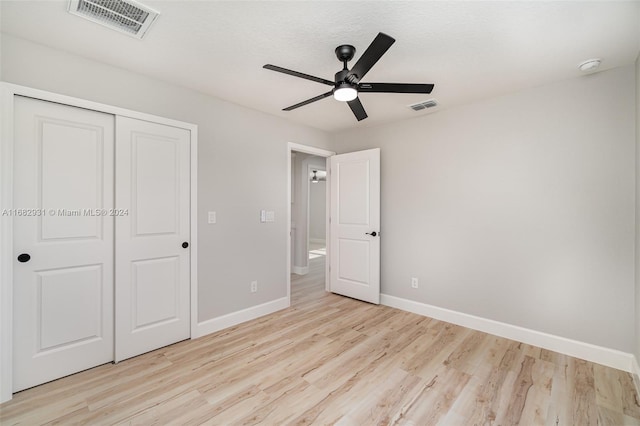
x: 470, y: 50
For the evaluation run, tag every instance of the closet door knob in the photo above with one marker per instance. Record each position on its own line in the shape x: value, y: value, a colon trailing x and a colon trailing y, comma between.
x: 373, y: 234
x: 24, y: 257
x: 185, y: 244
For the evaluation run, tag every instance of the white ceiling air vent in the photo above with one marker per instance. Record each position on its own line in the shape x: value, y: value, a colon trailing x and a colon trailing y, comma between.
x: 129, y: 17
x: 424, y: 105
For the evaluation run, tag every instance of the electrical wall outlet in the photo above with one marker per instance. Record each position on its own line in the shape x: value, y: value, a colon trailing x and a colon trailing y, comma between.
x: 254, y: 286
x: 414, y: 282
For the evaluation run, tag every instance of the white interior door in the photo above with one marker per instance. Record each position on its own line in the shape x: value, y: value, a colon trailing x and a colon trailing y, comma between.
x: 152, y: 236
x: 63, y: 244
x: 355, y: 225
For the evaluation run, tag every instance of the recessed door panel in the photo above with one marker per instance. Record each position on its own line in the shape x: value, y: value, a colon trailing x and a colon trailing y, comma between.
x: 157, y: 280
x: 63, y: 270
x: 69, y: 306
x: 355, y: 265
x: 70, y: 181
x: 353, y: 193
x: 156, y: 164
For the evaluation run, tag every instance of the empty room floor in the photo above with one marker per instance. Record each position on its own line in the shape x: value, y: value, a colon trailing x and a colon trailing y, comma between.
x: 330, y: 359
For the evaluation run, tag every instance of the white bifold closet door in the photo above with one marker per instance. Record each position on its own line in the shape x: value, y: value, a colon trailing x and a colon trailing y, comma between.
x: 152, y: 238
x: 63, y: 293
x: 101, y: 239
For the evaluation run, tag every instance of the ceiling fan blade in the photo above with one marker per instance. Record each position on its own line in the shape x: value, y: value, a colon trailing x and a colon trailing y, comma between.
x: 298, y: 74
x: 308, y: 101
x: 394, y: 88
x: 374, y: 52
x: 358, y: 109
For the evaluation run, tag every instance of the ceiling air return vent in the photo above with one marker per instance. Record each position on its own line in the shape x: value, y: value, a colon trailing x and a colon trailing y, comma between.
x: 424, y: 105
x: 129, y: 17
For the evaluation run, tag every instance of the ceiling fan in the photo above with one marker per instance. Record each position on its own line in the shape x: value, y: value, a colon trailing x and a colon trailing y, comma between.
x: 347, y: 83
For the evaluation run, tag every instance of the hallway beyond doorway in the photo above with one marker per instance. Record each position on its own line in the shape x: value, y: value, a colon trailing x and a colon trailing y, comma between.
x: 317, y: 250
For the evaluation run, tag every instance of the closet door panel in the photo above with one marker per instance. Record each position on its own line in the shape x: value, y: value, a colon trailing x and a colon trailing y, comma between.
x: 63, y: 241
x: 152, y: 236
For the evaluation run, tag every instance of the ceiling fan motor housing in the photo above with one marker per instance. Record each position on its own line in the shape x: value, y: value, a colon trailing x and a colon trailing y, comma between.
x: 345, y: 52
x: 343, y: 77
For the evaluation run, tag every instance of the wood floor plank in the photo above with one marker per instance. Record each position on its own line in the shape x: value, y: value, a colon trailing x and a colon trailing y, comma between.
x: 608, y: 388
x: 611, y: 417
x: 381, y: 403
x: 434, y: 399
x: 283, y: 408
x: 524, y: 383
x: 630, y: 400
x: 490, y: 401
x: 168, y: 412
x: 537, y: 402
x: 230, y: 379
x: 583, y: 392
x: 333, y: 360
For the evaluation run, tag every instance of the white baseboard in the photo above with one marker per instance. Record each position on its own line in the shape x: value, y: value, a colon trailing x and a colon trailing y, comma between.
x: 587, y: 351
x: 220, y: 323
x: 317, y: 240
x: 300, y: 270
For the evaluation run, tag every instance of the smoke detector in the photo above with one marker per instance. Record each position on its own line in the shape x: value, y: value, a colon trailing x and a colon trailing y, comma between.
x: 128, y: 17
x: 424, y: 105
x: 590, y: 65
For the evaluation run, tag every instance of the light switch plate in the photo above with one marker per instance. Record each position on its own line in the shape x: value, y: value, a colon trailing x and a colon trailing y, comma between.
x: 271, y: 216
x: 212, y: 217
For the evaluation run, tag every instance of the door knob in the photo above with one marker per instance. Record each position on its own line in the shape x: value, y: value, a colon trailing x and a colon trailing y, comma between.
x: 373, y: 234
x: 24, y: 257
x: 185, y: 244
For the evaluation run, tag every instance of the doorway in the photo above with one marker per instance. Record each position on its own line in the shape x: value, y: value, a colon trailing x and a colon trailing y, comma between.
x: 308, y: 226
x: 308, y: 223
x: 352, y: 231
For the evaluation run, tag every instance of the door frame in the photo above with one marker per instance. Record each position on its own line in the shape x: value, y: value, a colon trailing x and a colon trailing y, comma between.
x: 291, y: 146
x: 7, y: 93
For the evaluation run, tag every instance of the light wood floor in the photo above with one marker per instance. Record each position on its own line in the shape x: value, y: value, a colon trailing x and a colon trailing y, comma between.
x: 330, y: 359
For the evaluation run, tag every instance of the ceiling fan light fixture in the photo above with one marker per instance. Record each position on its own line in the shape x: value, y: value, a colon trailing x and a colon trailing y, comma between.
x: 345, y: 92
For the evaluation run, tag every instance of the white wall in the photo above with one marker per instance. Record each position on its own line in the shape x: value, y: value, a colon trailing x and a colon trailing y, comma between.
x: 518, y: 209
x: 242, y: 167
